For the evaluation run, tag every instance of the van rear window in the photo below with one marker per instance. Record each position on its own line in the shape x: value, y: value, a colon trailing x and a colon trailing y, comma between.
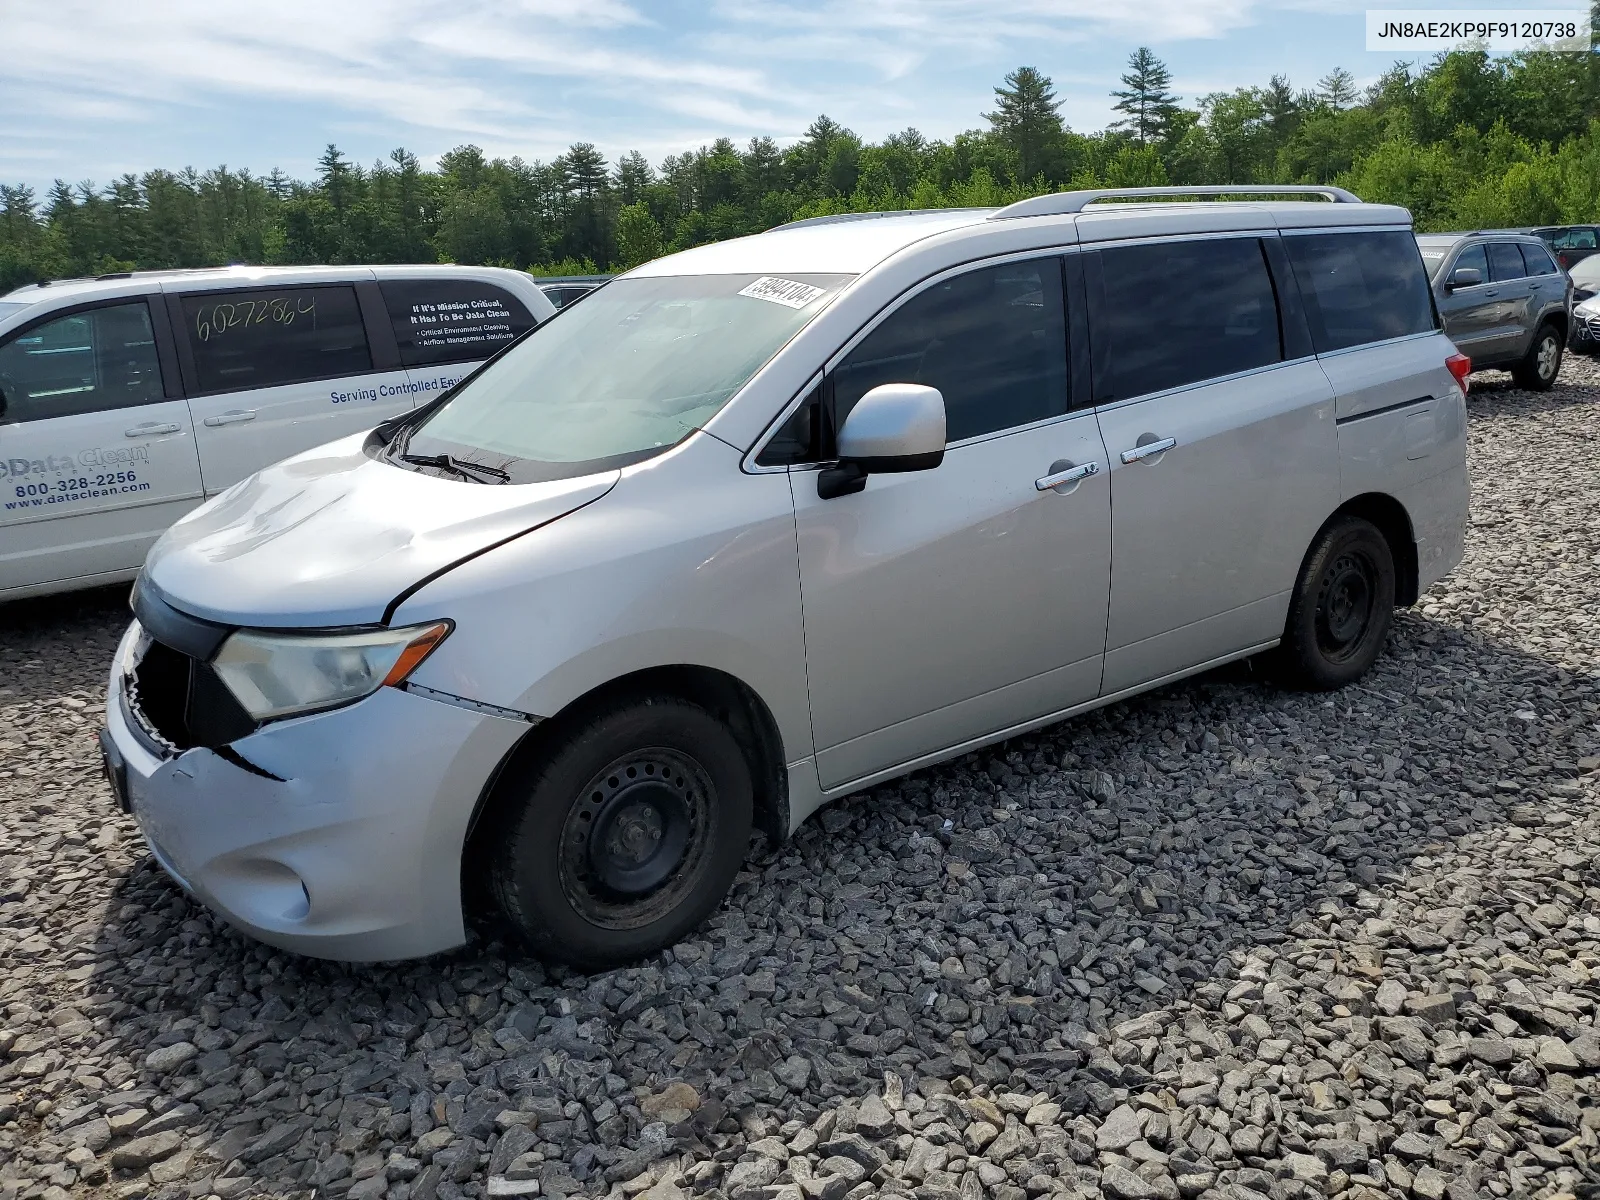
x: 451, y: 320
x: 1361, y: 287
x: 272, y: 336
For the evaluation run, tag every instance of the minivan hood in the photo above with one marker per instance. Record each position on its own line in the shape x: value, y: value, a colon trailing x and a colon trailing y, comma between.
x: 332, y: 537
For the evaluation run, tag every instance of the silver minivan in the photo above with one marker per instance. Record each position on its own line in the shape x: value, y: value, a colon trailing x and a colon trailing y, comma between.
x: 765, y: 522
x: 127, y: 399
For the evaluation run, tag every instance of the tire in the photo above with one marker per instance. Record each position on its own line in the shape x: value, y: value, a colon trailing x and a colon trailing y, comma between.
x: 624, y: 835
x: 1342, y: 605
x: 1538, y: 370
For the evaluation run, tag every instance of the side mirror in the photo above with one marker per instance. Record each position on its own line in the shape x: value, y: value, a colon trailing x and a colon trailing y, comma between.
x: 1464, y: 277
x: 894, y: 427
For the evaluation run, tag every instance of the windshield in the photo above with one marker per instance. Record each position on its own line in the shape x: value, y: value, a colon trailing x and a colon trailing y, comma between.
x: 1433, y: 256
x: 634, y: 369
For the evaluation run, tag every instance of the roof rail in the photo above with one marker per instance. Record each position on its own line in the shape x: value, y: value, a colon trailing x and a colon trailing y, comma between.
x: 869, y: 216
x: 1075, y: 202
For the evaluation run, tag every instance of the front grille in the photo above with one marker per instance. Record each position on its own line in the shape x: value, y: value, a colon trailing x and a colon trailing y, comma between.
x: 1591, y: 326
x: 180, y: 701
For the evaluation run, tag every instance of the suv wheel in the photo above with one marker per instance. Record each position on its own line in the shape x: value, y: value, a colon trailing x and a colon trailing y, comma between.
x: 624, y: 835
x: 1341, y: 608
x: 1537, y: 372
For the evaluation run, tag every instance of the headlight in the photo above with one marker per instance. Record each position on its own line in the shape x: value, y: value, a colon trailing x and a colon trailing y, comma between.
x: 277, y: 674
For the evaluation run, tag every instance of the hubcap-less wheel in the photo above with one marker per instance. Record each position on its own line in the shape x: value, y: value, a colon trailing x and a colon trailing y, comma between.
x: 1549, y: 357
x: 1345, y: 605
x: 632, y: 843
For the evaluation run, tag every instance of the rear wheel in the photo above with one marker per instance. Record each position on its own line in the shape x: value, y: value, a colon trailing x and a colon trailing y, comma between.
x: 1538, y: 370
x: 1341, y: 608
x: 624, y: 835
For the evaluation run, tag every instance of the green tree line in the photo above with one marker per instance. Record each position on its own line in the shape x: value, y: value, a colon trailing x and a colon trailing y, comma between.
x: 1468, y: 141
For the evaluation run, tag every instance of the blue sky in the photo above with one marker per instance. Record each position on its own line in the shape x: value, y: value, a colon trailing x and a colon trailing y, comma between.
x: 95, y: 88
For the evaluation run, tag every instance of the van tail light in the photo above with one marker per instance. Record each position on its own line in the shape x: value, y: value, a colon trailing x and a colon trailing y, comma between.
x: 1563, y: 260
x: 1459, y: 366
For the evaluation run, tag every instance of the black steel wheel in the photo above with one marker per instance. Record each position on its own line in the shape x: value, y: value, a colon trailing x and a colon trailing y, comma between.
x: 1341, y: 608
x: 622, y: 833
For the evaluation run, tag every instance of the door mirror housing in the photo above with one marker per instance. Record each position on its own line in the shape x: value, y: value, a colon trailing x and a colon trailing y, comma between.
x: 1465, y: 277
x: 895, y: 427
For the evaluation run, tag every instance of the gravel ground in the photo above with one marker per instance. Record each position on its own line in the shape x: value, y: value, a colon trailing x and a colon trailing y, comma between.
x: 1219, y: 941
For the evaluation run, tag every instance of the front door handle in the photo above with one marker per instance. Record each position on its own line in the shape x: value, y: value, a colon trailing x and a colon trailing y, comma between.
x: 150, y: 429
x: 1148, y: 449
x: 1064, y: 475
x: 231, y: 418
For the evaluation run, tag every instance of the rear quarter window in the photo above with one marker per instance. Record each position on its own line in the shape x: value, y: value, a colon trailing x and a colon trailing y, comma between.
x: 1538, y: 259
x: 1360, y: 287
x: 268, y: 337
x: 452, y: 320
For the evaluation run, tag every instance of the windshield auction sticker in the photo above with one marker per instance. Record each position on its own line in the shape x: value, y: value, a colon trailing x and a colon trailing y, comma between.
x: 1413, y: 30
x: 788, y: 292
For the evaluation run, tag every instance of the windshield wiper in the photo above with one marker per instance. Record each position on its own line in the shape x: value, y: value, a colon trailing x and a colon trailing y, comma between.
x: 460, y: 467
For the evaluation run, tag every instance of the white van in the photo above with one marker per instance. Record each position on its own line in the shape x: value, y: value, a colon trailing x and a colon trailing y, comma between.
x: 766, y: 522
x: 127, y: 399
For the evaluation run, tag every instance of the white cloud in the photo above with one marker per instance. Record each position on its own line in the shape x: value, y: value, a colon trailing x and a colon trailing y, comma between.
x: 107, y: 80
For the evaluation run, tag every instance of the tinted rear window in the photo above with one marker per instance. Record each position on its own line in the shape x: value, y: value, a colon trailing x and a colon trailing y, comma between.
x: 272, y: 336
x: 451, y: 320
x: 1181, y: 312
x: 1538, y: 259
x: 1360, y: 287
x: 1505, y: 262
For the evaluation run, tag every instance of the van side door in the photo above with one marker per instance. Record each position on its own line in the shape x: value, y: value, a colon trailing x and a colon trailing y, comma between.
x: 444, y: 327
x: 97, y: 454
x: 276, y: 370
x: 947, y: 605
x: 1224, y: 460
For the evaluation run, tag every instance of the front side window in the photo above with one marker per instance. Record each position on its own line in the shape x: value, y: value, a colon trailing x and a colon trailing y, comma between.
x: 273, y: 336
x: 451, y: 320
x: 1361, y: 287
x: 634, y: 369
x: 91, y: 361
x: 1505, y: 262
x: 1178, y: 313
x: 1474, y: 258
x: 993, y: 341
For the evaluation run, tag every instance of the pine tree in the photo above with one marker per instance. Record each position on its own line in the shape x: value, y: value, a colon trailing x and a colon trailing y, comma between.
x: 633, y: 175
x: 335, y: 171
x: 1337, y: 88
x: 1147, y: 101
x: 1026, y: 121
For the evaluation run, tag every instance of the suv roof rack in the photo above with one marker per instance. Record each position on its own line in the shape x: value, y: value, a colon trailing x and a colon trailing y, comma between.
x: 835, y: 218
x: 1075, y: 202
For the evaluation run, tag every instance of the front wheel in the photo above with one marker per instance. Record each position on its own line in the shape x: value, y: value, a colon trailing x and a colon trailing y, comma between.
x: 1341, y: 608
x: 1538, y: 370
x: 624, y: 835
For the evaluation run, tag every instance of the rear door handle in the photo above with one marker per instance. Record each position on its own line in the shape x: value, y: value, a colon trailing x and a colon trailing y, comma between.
x: 1067, y: 475
x: 151, y: 428
x: 231, y: 418
x: 1148, y: 449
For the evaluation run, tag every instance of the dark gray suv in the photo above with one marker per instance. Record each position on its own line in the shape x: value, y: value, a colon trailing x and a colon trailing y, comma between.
x: 1505, y: 302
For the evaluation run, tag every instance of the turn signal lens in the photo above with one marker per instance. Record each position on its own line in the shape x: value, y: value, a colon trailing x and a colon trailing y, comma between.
x: 1459, y: 366
x: 424, y: 644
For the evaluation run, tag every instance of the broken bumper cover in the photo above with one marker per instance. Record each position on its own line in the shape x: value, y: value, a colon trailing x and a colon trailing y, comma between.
x: 337, y: 835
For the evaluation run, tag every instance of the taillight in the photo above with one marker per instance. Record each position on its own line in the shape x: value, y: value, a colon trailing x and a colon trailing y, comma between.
x: 1563, y: 260
x: 1459, y: 366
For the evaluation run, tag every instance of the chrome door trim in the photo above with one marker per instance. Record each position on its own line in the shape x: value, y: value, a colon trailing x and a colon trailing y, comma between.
x: 1111, y: 405
x: 1070, y: 475
x: 1148, y: 450
x: 1404, y: 337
